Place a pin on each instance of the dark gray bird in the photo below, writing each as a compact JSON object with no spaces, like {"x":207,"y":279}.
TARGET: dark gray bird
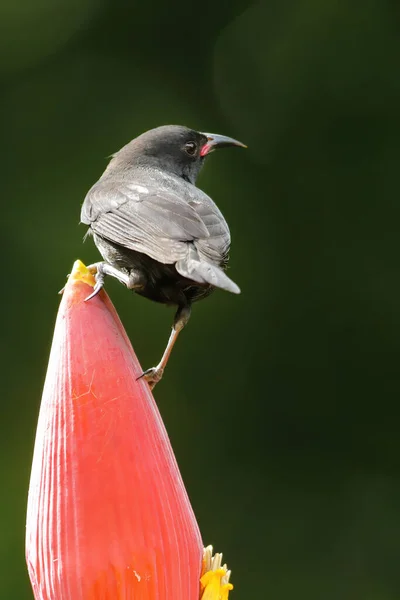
{"x":157,"y":232}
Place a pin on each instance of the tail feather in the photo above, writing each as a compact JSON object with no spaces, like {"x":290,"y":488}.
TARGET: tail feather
{"x":205,"y":272}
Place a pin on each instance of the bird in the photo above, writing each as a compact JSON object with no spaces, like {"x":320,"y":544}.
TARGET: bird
{"x":157,"y":232}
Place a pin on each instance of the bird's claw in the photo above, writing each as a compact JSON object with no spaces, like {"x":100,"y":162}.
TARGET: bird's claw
{"x":99,"y":279}
{"x":152,"y":376}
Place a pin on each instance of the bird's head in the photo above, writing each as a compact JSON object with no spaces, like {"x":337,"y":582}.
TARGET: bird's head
{"x":174,"y":149}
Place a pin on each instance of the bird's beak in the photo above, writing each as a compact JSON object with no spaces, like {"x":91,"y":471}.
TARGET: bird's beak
{"x":214,"y":140}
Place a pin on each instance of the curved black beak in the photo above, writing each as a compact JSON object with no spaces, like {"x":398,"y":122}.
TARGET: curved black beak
{"x":218,"y":141}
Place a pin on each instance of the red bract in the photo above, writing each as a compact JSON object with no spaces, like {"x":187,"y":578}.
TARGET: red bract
{"x":108,"y":515}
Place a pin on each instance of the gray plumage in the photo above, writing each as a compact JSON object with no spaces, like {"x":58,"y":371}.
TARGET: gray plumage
{"x":157,"y":231}
{"x":160,"y":213}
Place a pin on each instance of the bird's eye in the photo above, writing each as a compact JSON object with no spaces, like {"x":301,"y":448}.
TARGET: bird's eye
{"x":190,"y":148}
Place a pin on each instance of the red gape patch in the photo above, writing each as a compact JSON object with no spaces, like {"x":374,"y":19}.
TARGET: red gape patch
{"x":205,"y":149}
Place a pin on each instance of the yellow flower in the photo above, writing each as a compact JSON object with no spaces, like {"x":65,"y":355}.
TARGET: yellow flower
{"x":214,"y":581}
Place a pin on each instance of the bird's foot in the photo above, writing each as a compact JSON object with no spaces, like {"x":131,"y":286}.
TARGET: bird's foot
{"x":132,"y":279}
{"x":98,"y":271}
{"x":152,"y":376}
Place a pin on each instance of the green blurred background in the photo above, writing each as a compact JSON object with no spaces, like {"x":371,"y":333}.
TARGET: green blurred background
{"x":282,"y":404}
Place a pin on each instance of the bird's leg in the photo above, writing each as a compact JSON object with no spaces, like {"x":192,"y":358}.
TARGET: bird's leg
{"x":154,"y":374}
{"x":101,"y":269}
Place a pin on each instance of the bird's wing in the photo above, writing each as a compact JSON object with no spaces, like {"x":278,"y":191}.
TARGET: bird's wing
{"x":156,"y":223}
{"x":214,"y":248}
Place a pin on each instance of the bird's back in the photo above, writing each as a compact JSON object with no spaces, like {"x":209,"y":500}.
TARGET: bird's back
{"x":161,"y":224}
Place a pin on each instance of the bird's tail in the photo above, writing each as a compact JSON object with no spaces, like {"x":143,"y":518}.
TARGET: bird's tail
{"x":201,"y":271}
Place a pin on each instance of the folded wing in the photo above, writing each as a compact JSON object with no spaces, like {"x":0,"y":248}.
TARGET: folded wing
{"x":188,"y":232}
{"x":142,"y":219}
